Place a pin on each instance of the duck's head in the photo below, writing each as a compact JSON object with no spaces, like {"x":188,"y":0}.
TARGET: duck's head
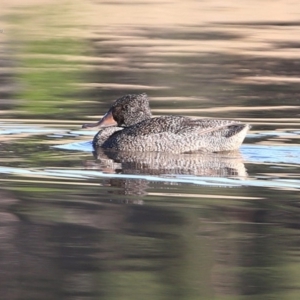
{"x":126,"y":111}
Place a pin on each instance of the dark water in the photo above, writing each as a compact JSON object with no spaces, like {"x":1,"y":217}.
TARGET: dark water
{"x":81,"y":225}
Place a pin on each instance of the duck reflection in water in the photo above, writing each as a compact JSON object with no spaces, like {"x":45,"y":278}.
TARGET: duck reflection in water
{"x":178,"y":167}
{"x":228,"y":164}
{"x":137,"y":131}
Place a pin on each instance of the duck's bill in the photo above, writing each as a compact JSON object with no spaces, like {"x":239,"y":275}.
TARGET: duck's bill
{"x":106,"y":121}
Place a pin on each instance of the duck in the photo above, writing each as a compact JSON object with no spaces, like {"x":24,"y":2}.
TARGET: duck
{"x":134,"y":129}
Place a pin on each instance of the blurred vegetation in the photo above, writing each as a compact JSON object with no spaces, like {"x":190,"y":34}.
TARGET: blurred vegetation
{"x":48,"y":70}
{"x":50,"y":83}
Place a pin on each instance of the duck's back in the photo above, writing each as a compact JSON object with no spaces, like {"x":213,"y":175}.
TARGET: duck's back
{"x":178,"y":134}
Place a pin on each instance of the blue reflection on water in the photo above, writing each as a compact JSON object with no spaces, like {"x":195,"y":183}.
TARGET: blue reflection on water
{"x":80,"y":146}
{"x":251,"y":153}
{"x":271,"y":154}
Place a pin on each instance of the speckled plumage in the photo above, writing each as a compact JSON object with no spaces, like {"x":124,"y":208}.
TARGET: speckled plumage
{"x":103,"y":134}
{"x":175,"y":134}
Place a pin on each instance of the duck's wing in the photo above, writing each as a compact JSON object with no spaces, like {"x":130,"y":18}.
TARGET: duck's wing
{"x":225,"y":128}
{"x":158,"y":125}
{"x":179,"y":125}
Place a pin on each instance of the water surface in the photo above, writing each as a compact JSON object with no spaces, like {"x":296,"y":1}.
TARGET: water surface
{"x":78,"y":224}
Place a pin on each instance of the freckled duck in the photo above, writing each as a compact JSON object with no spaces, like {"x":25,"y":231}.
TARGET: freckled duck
{"x":136,"y":130}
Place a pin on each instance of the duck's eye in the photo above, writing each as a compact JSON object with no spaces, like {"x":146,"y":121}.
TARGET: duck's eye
{"x":125,"y":107}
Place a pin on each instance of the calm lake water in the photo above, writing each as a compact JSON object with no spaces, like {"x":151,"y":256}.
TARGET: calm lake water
{"x":82,"y":225}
